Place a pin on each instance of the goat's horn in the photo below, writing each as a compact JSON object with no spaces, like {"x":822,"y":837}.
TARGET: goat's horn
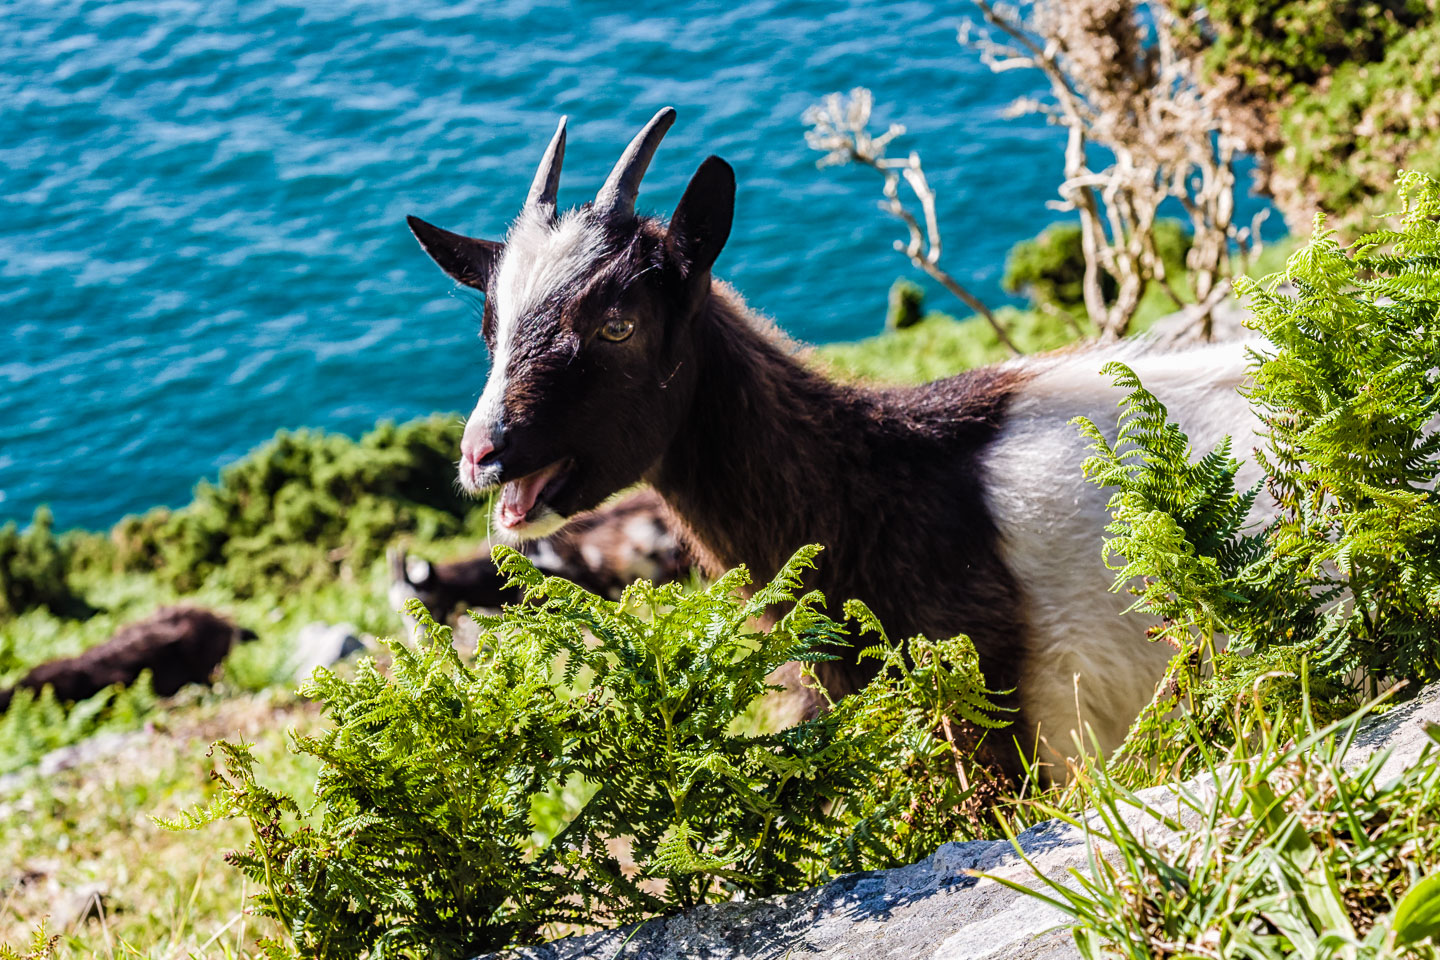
{"x":623,"y":185}
{"x":547,"y":176}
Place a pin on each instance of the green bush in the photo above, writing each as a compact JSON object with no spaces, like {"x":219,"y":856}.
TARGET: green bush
{"x":906,"y":306}
{"x":1343,"y":141}
{"x":464,"y":807}
{"x":1348,"y":573}
{"x":1271,"y":46}
{"x":1332,"y":96}
{"x":305,"y":507}
{"x":1050,"y":269}
{"x":33,"y":569}
{"x":930,"y":702}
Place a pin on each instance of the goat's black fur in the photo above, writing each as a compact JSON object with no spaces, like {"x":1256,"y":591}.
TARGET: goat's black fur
{"x":754,"y":451}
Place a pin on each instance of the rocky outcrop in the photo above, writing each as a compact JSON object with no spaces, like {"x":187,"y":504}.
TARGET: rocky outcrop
{"x":933,"y":910}
{"x":321,"y":645}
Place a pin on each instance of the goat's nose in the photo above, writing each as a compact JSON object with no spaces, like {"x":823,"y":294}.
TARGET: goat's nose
{"x":499,"y":432}
{"x":475,"y":451}
{"x":478,"y":449}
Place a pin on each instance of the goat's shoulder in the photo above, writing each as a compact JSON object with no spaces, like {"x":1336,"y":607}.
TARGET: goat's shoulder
{"x":971,"y":404}
{"x":1072,"y":383}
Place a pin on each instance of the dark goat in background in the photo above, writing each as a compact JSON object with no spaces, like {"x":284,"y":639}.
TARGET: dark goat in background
{"x":603,"y":552}
{"x":178,"y":645}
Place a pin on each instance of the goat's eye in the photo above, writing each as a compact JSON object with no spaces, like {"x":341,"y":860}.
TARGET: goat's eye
{"x":618,"y":329}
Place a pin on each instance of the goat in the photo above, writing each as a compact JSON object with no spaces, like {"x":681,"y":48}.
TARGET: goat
{"x":953,"y":507}
{"x":178,"y":645}
{"x":602,"y":551}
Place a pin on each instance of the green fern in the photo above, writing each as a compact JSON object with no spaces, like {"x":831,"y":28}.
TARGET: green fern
{"x":423,"y":835}
{"x":1348,"y":574}
{"x":41,"y":947}
{"x":932,"y":715}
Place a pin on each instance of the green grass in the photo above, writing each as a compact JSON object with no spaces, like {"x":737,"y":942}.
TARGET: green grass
{"x":276,"y":615}
{"x":166,"y":894}
{"x":162,"y":894}
{"x":939,"y":346}
{"x":1283,"y":850}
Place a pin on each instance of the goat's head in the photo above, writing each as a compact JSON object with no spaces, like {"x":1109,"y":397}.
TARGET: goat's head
{"x":589,"y":322}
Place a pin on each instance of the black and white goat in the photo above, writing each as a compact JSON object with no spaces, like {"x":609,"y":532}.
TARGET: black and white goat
{"x":953,"y":507}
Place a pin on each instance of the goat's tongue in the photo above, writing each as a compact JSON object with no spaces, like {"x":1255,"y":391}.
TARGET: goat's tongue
{"x":518,"y":497}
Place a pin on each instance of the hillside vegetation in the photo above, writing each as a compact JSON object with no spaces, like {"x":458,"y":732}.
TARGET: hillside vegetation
{"x":1332,"y":96}
{"x":597,"y":761}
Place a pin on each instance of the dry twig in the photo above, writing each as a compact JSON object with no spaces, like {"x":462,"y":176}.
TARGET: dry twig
{"x":1118,"y":80}
{"x":839,"y":126}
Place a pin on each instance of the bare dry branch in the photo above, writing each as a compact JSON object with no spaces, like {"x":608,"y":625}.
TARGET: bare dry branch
{"x":1118,"y":80}
{"x":839,"y":127}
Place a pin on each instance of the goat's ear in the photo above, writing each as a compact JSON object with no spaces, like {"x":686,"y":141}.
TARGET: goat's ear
{"x":701,"y":223}
{"x":465,"y":259}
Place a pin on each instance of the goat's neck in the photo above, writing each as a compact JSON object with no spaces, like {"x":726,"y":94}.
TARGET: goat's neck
{"x":764,"y":445}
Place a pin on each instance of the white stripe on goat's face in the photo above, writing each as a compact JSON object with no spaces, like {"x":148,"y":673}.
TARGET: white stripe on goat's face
{"x":544,"y":261}
{"x":570,"y":413}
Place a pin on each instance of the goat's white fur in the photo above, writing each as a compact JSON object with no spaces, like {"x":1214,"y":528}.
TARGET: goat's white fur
{"x":541,"y":257}
{"x":1085,"y":662}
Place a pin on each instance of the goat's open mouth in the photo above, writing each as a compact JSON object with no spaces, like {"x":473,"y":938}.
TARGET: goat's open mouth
{"x":521,"y":498}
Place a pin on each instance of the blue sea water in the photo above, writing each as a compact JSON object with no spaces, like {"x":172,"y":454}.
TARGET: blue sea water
{"x":202,"y":202}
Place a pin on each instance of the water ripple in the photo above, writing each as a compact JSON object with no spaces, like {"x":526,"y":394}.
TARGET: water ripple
{"x":202,"y":203}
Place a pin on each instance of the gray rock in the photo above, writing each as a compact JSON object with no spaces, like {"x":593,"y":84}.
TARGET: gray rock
{"x":1184,"y":328}
{"x":320,"y":645}
{"x":934,"y":909}
{"x":1227,"y":322}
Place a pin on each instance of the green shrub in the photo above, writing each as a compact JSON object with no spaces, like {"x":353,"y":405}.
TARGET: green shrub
{"x":1050,"y":269}
{"x":1271,"y":46}
{"x":33,"y":569}
{"x":1332,"y":96}
{"x":305,"y":507}
{"x":1348,"y":573}
{"x":463,"y":807}
{"x":906,"y":306}
{"x":1343,"y":141}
